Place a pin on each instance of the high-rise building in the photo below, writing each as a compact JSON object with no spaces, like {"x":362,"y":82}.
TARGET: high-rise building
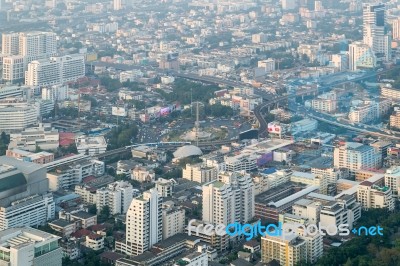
{"x":117,"y":4}
{"x":199,"y":173}
{"x":37,"y":45}
{"x":29,"y":246}
{"x":14,"y":68}
{"x":117,"y":196}
{"x":143,"y":224}
{"x":10,"y":43}
{"x":373,"y":196}
{"x":356,"y":156}
{"x":361,"y":56}
{"x":231,"y":199}
{"x":396,"y":29}
{"x":218,"y":203}
{"x":374,"y":30}
{"x":55,"y":71}
{"x":173,"y":221}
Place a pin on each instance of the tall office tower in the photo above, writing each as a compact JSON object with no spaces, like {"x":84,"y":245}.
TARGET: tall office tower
{"x":117,"y":4}
{"x":356,"y":156}
{"x":143,"y":224}
{"x":374,"y":31}
{"x":55,"y":70}
{"x":10,"y":43}
{"x":396,"y":29}
{"x":36,"y":45}
{"x":361,"y":56}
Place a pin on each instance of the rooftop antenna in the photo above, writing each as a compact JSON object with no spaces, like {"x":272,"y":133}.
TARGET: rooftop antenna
{"x":197,"y":123}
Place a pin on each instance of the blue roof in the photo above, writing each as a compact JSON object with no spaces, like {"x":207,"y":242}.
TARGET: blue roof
{"x":269,"y":171}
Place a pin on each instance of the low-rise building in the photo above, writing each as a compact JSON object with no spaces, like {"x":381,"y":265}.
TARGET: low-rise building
{"x":91,"y":145}
{"x":95,"y":242}
{"x":143,"y":174}
{"x":42,"y":157}
{"x":29,"y":246}
{"x":43,"y":136}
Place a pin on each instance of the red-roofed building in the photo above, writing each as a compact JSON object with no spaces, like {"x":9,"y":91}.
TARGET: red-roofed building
{"x":66,"y":139}
{"x":81,"y":233}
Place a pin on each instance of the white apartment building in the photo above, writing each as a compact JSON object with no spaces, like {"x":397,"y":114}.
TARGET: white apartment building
{"x":373,"y":196}
{"x":35,"y":45}
{"x":332,"y":174}
{"x":287,"y":250}
{"x":240,"y":162}
{"x":388,"y":92}
{"x":55,"y":71}
{"x":143,"y":224}
{"x":396,"y":29}
{"x":14,"y":68}
{"x":392,"y":180}
{"x":333,"y":213}
{"x":91,"y":145}
{"x":29,"y":246}
{"x":364,"y":113}
{"x":322,"y":105}
{"x":63,"y":174}
{"x":16,"y":116}
{"x":173,"y":221}
{"x":268,"y":65}
{"x":243,"y":188}
{"x":355,"y":156}
{"x":307,"y":209}
{"x":10,"y":43}
{"x":264,"y":182}
{"x":199,"y":173}
{"x":117,"y":196}
{"x":143,"y":174}
{"x":55,"y":93}
{"x":44,"y":136}
{"x":361,"y":56}
{"x":230,"y":199}
{"x":218,"y":203}
{"x":314,"y":245}
{"x":165,"y":187}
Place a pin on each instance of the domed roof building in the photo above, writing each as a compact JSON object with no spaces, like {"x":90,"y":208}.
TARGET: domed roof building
{"x":187,"y":151}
